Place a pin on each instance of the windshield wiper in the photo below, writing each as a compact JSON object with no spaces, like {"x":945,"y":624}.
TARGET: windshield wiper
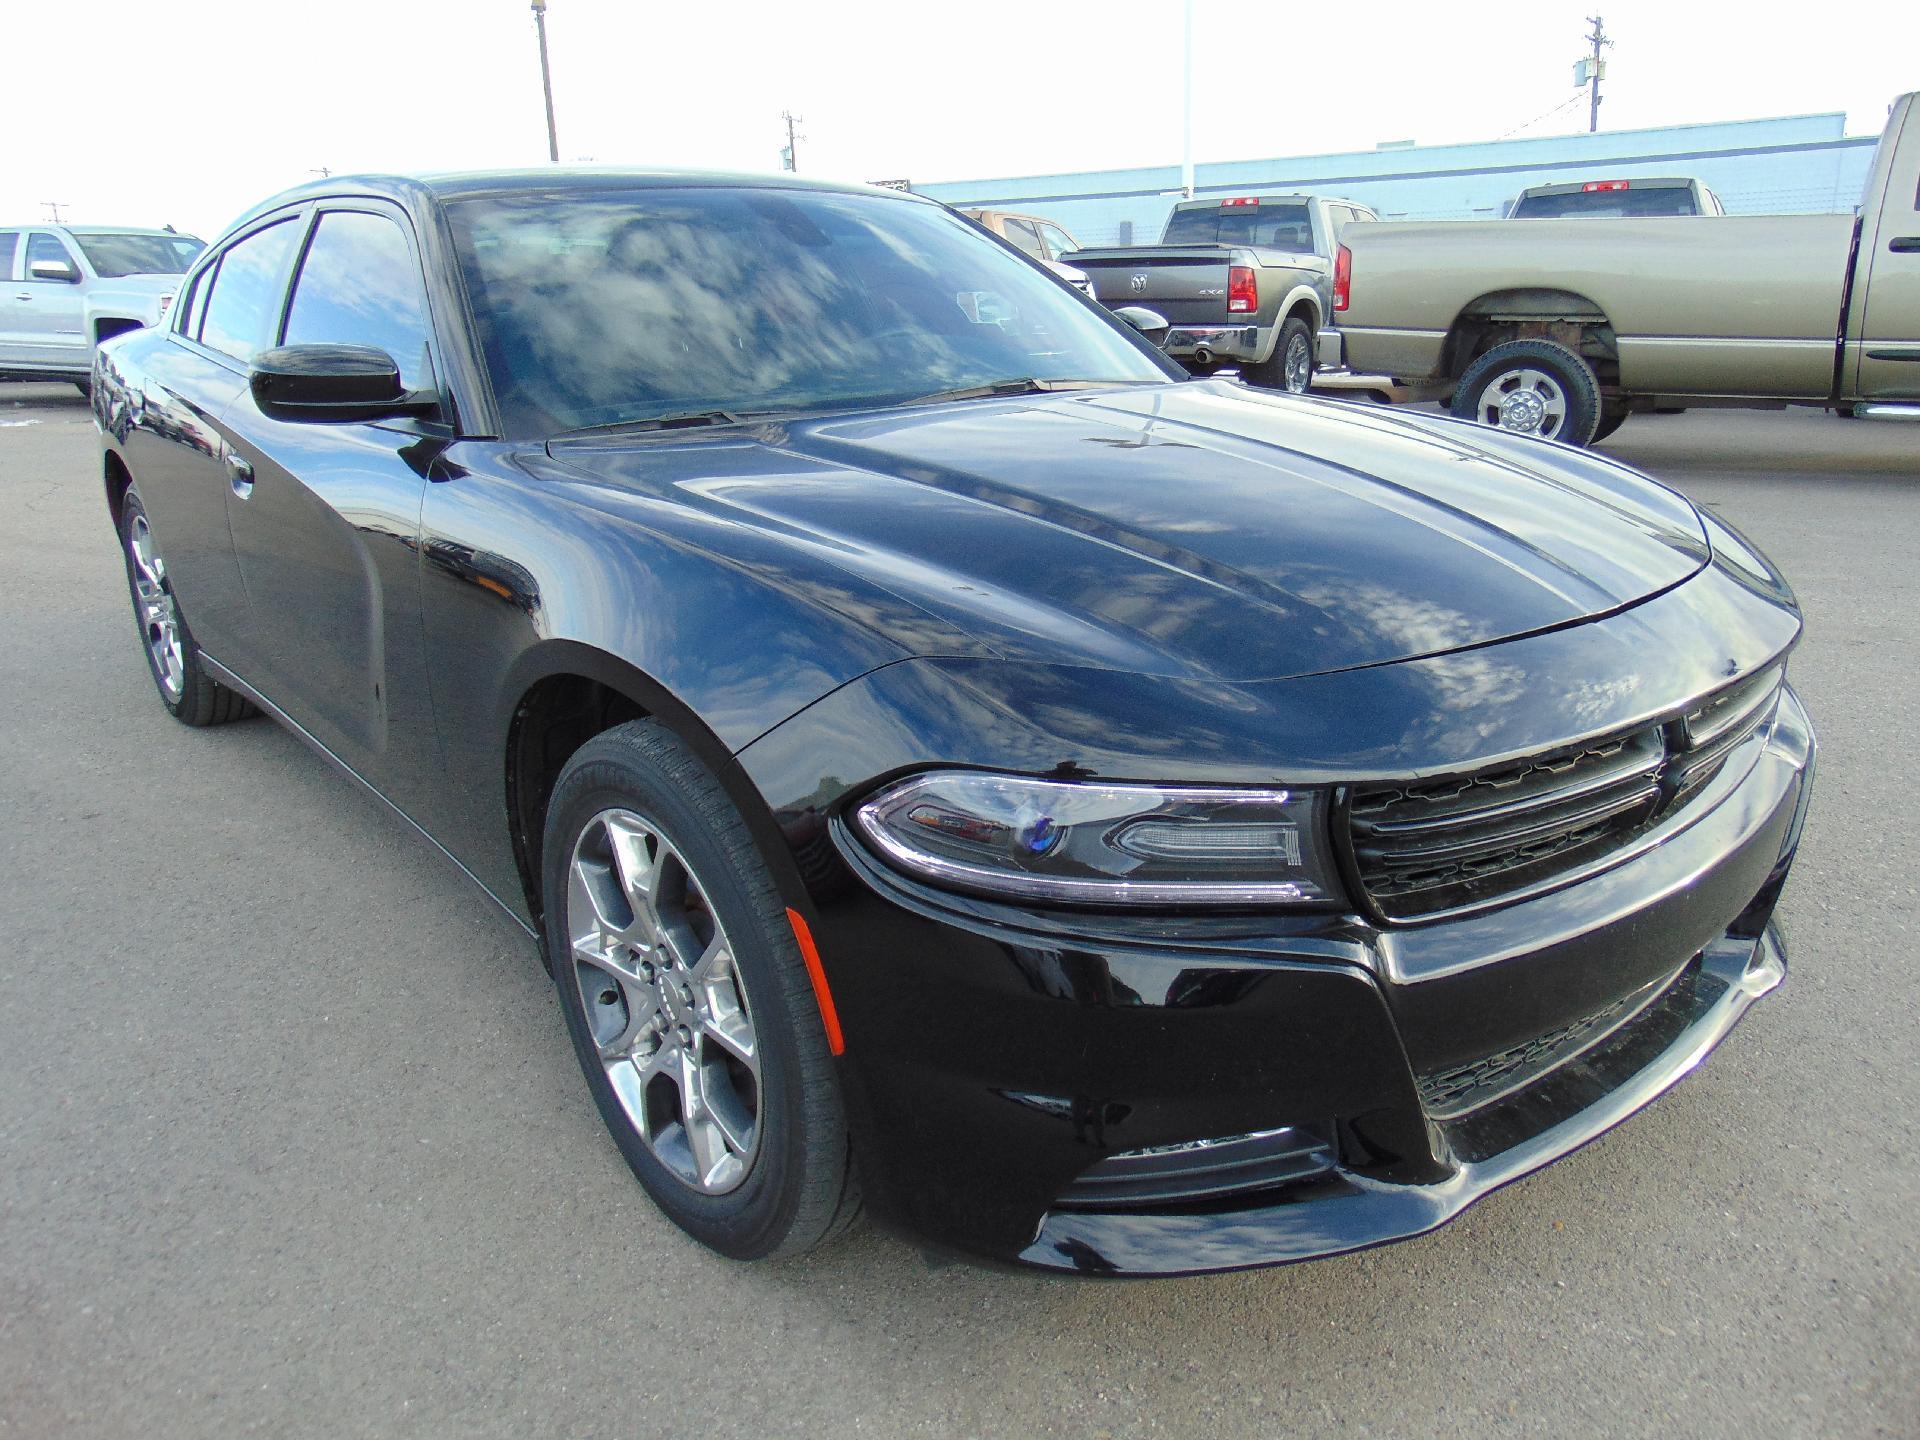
{"x":678,"y":420}
{"x":1018,"y":385}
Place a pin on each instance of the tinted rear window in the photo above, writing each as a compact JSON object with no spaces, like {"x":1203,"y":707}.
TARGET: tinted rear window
{"x":1275,"y":227}
{"x":1608,"y":204}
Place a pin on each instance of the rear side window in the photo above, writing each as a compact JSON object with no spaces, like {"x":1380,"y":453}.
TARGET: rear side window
{"x":245,"y":301}
{"x":1057,"y":240}
{"x":9,"y":243}
{"x":194,"y":307}
{"x":359,"y":285}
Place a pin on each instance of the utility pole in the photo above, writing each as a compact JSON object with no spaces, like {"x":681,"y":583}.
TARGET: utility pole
{"x":1596,"y":72}
{"x":54,"y":206}
{"x":546,"y":79}
{"x":1186,"y":122}
{"x":790,"y":157}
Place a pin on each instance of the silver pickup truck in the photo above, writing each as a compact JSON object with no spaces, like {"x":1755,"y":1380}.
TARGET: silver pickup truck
{"x":1564,"y":328}
{"x":64,"y":289}
{"x":1246,"y":281}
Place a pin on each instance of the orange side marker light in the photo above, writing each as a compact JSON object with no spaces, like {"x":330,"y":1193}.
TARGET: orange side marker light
{"x":829,"y":1017}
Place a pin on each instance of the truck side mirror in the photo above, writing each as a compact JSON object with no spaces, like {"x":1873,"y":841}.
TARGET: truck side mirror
{"x":59,"y":270}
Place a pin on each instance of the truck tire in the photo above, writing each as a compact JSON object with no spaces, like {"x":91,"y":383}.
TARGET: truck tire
{"x":1612,"y":417}
{"x":1531,"y":387}
{"x":1290,"y":367}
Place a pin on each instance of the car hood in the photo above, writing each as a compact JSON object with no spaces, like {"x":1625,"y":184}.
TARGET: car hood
{"x":1200,"y":529}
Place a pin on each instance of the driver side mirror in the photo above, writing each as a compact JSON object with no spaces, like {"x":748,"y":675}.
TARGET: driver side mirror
{"x":332,"y":383}
{"x":61,"y":270}
{"x":1151,"y":324}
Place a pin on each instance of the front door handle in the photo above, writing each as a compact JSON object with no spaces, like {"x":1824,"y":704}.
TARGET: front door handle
{"x":240,"y":473}
{"x":1905,"y":244}
{"x":23,"y":295}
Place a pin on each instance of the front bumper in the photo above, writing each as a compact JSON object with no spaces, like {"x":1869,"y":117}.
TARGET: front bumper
{"x":1027,"y":1049}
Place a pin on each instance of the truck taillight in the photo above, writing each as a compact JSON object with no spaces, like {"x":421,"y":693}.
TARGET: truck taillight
{"x":1342,"y":277}
{"x":1243,"y":292}
{"x":1242,"y":200}
{"x":1593,"y":185}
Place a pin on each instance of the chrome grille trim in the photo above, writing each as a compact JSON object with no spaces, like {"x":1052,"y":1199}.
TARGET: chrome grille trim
{"x":1425,"y":848}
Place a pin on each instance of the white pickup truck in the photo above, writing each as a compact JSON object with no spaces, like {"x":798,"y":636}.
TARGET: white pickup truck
{"x":1564,"y":328}
{"x":64,"y":289}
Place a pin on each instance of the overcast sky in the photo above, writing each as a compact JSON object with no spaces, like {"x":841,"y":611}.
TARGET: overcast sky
{"x":188,"y":111}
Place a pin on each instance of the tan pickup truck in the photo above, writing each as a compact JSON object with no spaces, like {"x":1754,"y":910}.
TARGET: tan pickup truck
{"x":1563,"y":328}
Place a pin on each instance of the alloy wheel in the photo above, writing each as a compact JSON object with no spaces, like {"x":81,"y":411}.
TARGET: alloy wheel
{"x":664,"y":1000}
{"x":1527,"y":401}
{"x":1299,"y":365}
{"x":154,"y":604}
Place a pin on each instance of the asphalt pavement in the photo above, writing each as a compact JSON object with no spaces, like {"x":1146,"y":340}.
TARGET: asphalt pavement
{"x":292,"y":1142}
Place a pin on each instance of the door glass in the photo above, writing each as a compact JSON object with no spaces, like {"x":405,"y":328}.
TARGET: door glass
{"x":245,"y":301}
{"x":1023,"y":236}
{"x":360,"y":286}
{"x":47,"y":247}
{"x":9,"y":243}
{"x":1058,"y":241}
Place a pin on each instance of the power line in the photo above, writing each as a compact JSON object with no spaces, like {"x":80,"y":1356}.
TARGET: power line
{"x":1568,"y":103}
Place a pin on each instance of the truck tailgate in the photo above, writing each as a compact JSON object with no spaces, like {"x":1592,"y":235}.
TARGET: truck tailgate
{"x":1185,"y":283}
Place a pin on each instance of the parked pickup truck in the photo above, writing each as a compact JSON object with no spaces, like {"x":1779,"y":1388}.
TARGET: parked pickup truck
{"x":1036,"y":237}
{"x":64,"y":289}
{"x":1246,"y":281}
{"x":1563,"y":328}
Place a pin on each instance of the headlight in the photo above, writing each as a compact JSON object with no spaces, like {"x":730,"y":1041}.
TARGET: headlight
{"x":1104,"y":844}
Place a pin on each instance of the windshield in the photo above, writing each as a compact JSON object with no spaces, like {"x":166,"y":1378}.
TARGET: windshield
{"x":1607,"y":204}
{"x":599,"y":306}
{"x":115,"y":255}
{"x":1284,"y":226}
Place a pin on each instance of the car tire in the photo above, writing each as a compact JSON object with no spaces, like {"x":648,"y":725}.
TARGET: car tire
{"x":191,"y":696}
{"x":1283,"y":369}
{"x":1564,"y":391}
{"x":1612,"y":417}
{"x":711,"y":1067}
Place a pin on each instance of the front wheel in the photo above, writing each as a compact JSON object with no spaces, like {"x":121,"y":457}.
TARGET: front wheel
{"x":688,"y":1002}
{"x":1290,"y":367}
{"x":1531,"y":387}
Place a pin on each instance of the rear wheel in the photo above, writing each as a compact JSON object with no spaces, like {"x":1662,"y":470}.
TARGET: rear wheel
{"x":191,"y":695}
{"x":1531,"y":387}
{"x":688,"y":1002}
{"x":1290,"y":367}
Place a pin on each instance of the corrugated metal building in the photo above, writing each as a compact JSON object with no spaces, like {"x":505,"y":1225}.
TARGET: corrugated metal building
{"x":1796,"y":164}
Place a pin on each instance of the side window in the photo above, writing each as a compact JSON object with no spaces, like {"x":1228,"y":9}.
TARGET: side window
{"x":244,"y":303}
{"x":194,"y":308}
{"x":359,"y":286}
{"x":41,"y":246}
{"x":1022,"y":236}
{"x":9,"y":245}
{"x":1338,"y":217}
{"x":1058,"y":241}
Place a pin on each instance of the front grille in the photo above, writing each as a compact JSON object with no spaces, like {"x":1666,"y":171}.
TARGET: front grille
{"x":1450,"y":1093}
{"x":1437,"y":846}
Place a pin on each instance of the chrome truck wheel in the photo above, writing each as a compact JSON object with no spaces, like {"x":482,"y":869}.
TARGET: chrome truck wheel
{"x":1531,"y":387}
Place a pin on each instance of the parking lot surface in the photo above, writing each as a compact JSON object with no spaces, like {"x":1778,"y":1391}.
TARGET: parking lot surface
{"x":292,"y":1143}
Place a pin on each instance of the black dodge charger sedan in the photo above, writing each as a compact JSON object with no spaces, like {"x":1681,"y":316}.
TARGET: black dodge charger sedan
{"x":948,"y":760}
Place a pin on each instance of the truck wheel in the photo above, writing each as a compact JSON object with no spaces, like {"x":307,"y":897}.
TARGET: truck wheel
{"x":1531,"y":387}
{"x":1612,"y":417}
{"x":1290,"y":367}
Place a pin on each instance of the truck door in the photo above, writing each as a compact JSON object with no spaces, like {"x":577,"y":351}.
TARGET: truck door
{"x":1889,"y":267}
{"x":47,"y":326}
